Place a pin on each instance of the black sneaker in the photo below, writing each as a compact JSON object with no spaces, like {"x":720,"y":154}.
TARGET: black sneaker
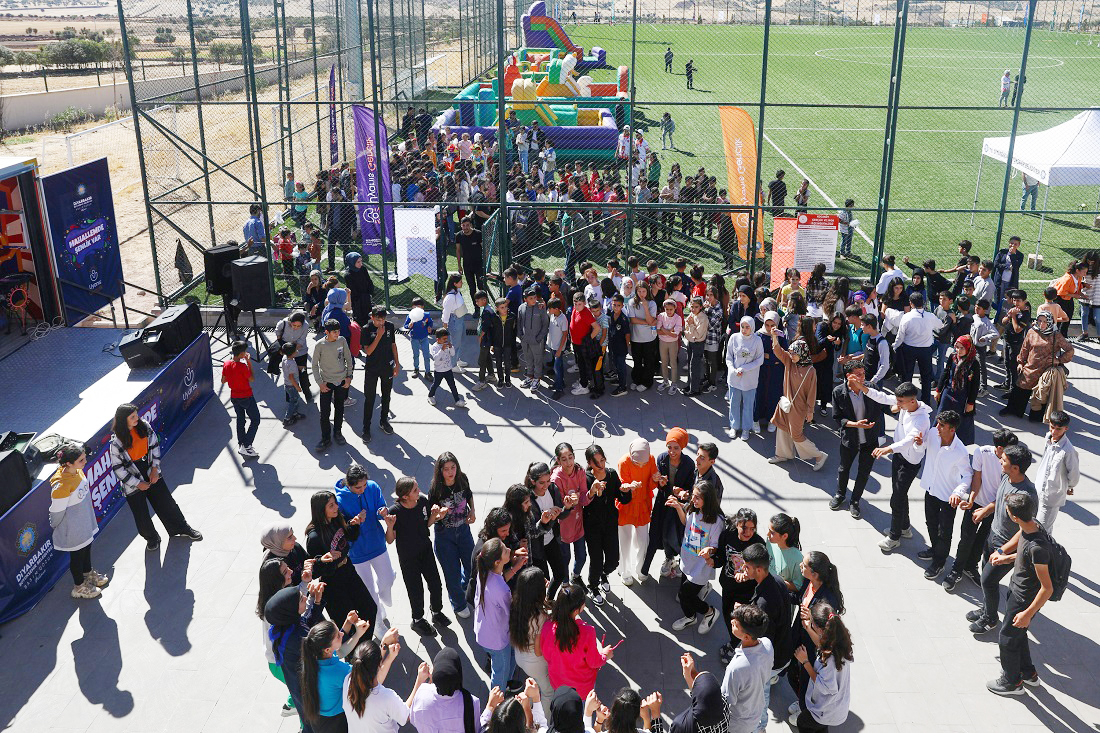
{"x":855,"y":510}
{"x":836,"y":503}
{"x":982,"y":625}
{"x":974,"y":615}
{"x":322,"y":446}
{"x":556,"y":394}
{"x":974,"y":575}
{"x":951,"y":581}
{"x":153,"y":545}
{"x":1001,"y":686}
{"x":619,"y":391}
{"x":933,"y":572}
{"x":386,"y":427}
{"x":339,"y":438}
{"x":366,"y":434}
{"x":423,"y":628}
{"x":192,"y":534}
{"x":440,"y":620}
{"x":925,"y":554}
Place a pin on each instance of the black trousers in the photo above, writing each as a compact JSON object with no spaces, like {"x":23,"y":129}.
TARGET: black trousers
{"x":80,"y":562}
{"x":345,"y":591}
{"x":848,"y":456}
{"x":1019,"y":400}
{"x":1012,"y":367}
{"x":474,"y":273}
{"x":991,"y":582}
{"x":940,"y":518}
{"x":1016,"y":661}
{"x":921,"y":358}
{"x":552,"y":563}
{"x":603,"y":552}
{"x":163,"y":504}
{"x":690,"y":602}
{"x":332,"y":401}
{"x":331,"y":724}
{"x":370,"y":390}
{"x":303,"y":375}
{"x":902,"y":473}
{"x":646,"y":357}
{"x":666,"y":531}
{"x":417,"y":566}
{"x":1067,"y":306}
{"x":971,"y":542}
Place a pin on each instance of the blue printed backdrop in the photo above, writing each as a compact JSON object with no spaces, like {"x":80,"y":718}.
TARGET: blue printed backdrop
{"x":81,"y":216}
{"x":372,"y":179}
{"x":29,"y":566}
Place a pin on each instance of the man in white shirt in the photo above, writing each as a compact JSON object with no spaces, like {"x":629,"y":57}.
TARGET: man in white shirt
{"x":985,"y":461}
{"x":946,"y":481}
{"x":906,"y":453}
{"x":889,"y":272}
{"x":915,"y":344}
{"x":748,"y":672}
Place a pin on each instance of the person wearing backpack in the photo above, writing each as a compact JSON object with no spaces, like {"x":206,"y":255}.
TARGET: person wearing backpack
{"x":1030,"y":587}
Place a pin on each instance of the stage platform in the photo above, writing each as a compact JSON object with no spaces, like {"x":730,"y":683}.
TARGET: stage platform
{"x":69,"y":383}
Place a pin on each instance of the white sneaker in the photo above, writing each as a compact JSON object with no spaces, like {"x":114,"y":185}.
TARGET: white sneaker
{"x":682,"y":623}
{"x":641,"y":578}
{"x":708,"y":620}
{"x":754,"y":431}
{"x":431,"y":400}
{"x":85,"y":590}
{"x":605,"y":587}
{"x":628,"y":580}
{"x":350,"y":401}
{"x":242,"y":450}
{"x":597,"y":598}
{"x":675,"y":572}
{"x":460,"y":364}
{"x":771,"y":428}
{"x":580,"y":391}
{"x":461,"y":402}
{"x":573,"y":369}
{"x":776,"y":459}
{"x":479,"y":386}
{"x":633,"y":388}
{"x":464,"y":613}
{"x":820,"y":462}
{"x":889,"y":545}
{"x":709,"y":388}
{"x":641,"y":388}
{"x":794,"y":709}
{"x":661,"y":387}
{"x":666,"y":568}
{"x":907,"y":533}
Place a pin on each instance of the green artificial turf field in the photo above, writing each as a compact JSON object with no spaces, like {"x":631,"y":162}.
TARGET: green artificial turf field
{"x":840,"y":150}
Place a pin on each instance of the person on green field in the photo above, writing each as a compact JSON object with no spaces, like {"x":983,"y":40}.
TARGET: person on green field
{"x":668,"y":60}
{"x":667,"y":128}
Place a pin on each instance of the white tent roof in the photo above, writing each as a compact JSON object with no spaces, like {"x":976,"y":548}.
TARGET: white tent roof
{"x":1065,"y":155}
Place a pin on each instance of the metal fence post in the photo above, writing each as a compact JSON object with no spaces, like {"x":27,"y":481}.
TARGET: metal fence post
{"x":757,"y":218}
{"x":889,"y":142}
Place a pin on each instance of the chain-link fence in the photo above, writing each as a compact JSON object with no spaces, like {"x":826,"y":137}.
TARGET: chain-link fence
{"x":899,"y":116}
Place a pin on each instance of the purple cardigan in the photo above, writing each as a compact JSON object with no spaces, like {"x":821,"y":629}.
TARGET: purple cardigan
{"x":491,"y":613}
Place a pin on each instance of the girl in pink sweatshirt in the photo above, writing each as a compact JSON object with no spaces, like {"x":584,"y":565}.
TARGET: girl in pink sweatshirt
{"x":573,"y":653}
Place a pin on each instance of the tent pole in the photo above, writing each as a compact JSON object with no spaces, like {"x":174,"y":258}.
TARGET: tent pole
{"x":981,"y":162}
{"x":1042,"y":219}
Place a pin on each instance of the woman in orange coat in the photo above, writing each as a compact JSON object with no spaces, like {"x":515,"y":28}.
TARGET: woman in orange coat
{"x":1069,"y":289}
{"x":638,"y":472}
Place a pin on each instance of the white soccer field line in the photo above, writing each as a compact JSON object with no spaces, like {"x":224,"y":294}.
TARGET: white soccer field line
{"x":817,"y":188}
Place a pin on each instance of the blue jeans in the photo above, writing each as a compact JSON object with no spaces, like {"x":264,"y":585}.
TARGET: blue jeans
{"x":1090,"y":313}
{"x":293,"y":402}
{"x":523,"y":157}
{"x":580,"y":554}
{"x":742,"y":403}
{"x":559,"y":372}
{"x":420,"y":346}
{"x":246,"y":407}
{"x":504,"y":664}
{"x":454,"y":546}
{"x":1033,"y":192}
{"x":941,"y":360}
{"x":620,"y":369}
{"x":457,"y":328}
{"x":846,"y":243}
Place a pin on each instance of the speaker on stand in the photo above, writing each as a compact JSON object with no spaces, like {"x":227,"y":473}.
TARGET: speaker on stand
{"x":251,"y":280}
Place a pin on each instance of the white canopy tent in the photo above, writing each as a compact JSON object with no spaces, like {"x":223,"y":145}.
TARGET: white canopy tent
{"x":1065,"y":155}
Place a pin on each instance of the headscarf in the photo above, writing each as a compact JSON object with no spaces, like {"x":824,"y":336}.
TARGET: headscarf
{"x":1047,"y":329}
{"x":275,"y":536}
{"x":800,"y":350}
{"x":351,"y":258}
{"x":964,"y":363}
{"x":679,"y":435}
{"x":707,"y":706}
{"x":769,"y":315}
{"x":768,"y":305}
{"x":628,"y":287}
{"x":447,"y":672}
{"x":336,"y":298}
{"x":747,"y":321}
{"x":639,"y":451}
{"x":566,"y":712}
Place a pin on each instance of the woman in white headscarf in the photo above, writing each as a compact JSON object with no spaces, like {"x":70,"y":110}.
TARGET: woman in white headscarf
{"x":796,"y":408}
{"x":744,"y":357}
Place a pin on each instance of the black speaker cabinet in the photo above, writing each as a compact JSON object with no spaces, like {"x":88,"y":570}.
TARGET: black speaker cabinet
{"x":216,"y":261}
{"x":178,"y":326}
{"x":140,"y":349}
{"x":15,"y":479}
{"x":251,"y":279}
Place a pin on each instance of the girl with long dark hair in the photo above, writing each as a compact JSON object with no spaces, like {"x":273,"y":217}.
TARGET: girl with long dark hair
{"x":328,"y":539}
{"x":543,"y":536}
{"x":454,"y":316}
{"x":827,"y":697}
{"x":817,"y":287}
{"x":573,"y":654}
{"x":73,"y":521}
{"x":677,"y":476}
{"x":601,"y":521}
{"x":642,"y":311}
{"x":821,"y":584}
{"x":528,"y":613}
{"x":739,"y":532}
{"x":568,"y":476}
{"x":770,"y":387}
{"x":785,"y":550}
{"x":291,"y":612}
{"x":703,"y":523}
{"x":323,"y":672}
{"x":135,"y":460}
{"x":370,"y":706}
{"x":454,"y":542}
{"x":491,"y":608}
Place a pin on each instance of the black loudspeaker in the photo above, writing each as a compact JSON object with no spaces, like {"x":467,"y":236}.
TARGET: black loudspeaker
{"x":216,"y":261}
{"x":251,"y":279}
{"x":140,"y":349}
{"x":15,"y":479}
{"x":177,"y":326}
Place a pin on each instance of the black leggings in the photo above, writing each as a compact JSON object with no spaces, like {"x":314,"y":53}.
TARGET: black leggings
{"x":603,"y":552}
{"x":553,"y":565}
{"x":80,"y":562}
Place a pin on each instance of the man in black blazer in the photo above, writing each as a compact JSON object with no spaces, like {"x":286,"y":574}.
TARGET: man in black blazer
{"x":861,"y":426}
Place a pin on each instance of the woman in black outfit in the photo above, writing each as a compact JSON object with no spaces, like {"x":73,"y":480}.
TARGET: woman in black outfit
{"x":958,"y":387}
{"x":328,"y":539}
{"x":821,"y":584}
{"x":601,"y":521}
{"x":666,"y":531}
{"x":361,"y":287}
